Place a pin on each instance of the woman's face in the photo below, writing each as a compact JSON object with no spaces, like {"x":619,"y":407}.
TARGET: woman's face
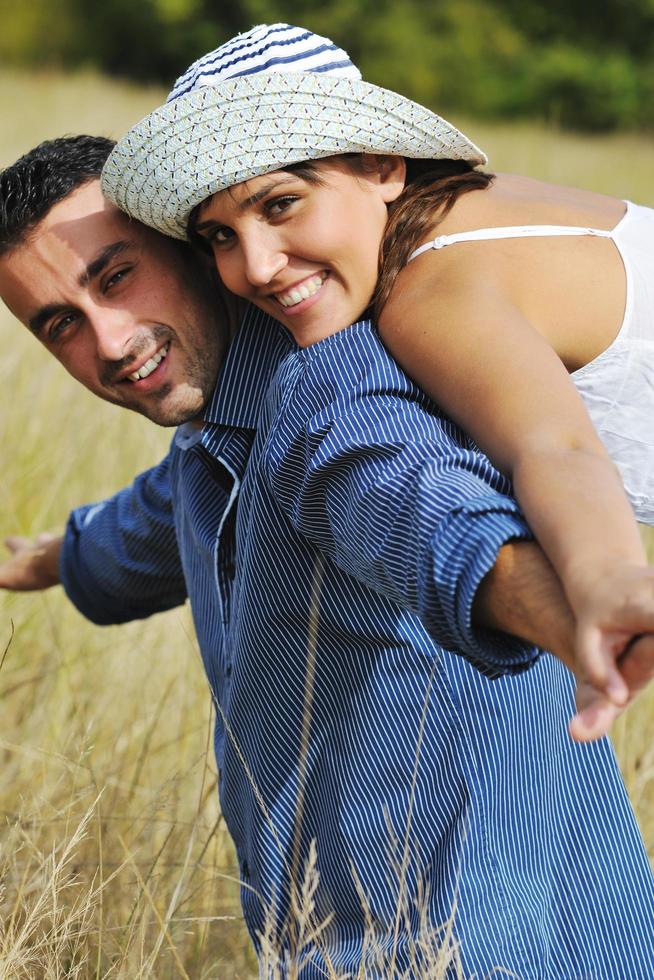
{"x":305,"y":252}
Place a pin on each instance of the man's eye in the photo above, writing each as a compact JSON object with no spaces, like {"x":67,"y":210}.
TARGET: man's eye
{"x":60,"y":325}
{"x":115,"y":277}
{"x":278,"y":205}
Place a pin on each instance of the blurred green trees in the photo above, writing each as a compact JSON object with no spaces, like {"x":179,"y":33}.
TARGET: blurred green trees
{"x":589,"y":66}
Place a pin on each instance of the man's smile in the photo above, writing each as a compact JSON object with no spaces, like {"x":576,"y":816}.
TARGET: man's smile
{"x":150,"y":365}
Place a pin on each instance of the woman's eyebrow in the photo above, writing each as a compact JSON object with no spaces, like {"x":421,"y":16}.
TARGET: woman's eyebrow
{"x":250,"y":201}
{"x":253,"y":199}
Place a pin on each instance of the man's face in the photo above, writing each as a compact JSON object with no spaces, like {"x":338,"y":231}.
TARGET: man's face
{"x":127,"y":311}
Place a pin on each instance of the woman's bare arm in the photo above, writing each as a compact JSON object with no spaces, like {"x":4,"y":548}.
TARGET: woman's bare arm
{"x":473,"y":351}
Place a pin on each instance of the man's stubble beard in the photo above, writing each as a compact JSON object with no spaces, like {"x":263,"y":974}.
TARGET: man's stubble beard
{"x":186,"y":400}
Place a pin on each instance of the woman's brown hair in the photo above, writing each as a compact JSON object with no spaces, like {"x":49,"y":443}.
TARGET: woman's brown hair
{"x":432,"y":188}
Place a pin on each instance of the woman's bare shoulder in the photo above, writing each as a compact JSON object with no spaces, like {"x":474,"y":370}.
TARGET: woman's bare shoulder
{"x":492,"y":282}
{"x":512,"y":199}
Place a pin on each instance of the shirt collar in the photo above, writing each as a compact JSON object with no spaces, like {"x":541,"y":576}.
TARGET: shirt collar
{"x":252,"y":358}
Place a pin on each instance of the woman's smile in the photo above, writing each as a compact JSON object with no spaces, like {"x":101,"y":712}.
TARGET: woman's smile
{"x":294,"y":298}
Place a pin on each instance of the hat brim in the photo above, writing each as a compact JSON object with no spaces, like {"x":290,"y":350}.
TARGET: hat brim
{"x":217,"y":136}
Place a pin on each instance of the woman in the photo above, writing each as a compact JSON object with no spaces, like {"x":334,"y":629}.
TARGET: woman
{"x":295,"y":166}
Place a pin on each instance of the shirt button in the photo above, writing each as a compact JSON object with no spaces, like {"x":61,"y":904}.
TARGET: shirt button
{"x":228,"y":670}
{"x":245,"y":870}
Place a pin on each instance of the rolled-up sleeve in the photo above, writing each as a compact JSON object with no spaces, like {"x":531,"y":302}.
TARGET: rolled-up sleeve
{"x":120,"y":559}
{"x":396,"y":498}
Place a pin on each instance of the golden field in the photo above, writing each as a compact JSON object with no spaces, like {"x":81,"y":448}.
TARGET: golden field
{"x":114,"y":860}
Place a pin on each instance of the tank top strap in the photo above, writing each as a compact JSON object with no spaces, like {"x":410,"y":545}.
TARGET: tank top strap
{"x":516,"y":231}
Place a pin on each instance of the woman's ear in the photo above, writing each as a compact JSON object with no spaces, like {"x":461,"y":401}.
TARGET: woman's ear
{"x":392,"y":176}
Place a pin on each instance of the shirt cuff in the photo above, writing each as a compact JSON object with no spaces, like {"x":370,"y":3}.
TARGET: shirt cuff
{"x":101,"y":581}
{"x":71,"y":572}
{"x":465,"y":550}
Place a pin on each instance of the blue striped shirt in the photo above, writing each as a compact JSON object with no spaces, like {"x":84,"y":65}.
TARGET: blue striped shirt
{"x":331,"y":528}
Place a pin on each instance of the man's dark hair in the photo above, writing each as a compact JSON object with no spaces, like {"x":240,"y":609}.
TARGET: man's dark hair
{"x":31,"y":186}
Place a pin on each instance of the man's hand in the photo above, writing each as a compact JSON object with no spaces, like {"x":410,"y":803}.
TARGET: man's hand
{"x":522,"y":595}
{"x":33,"y":564}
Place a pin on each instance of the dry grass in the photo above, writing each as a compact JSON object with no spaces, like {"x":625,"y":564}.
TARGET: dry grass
{"x":42,"y":105}
{"x":114,"y":861}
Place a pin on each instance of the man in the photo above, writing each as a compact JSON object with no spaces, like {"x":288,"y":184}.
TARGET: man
{"x":344,"y":551}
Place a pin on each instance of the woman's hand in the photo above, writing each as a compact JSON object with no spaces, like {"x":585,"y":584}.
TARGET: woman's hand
{"x":614,"y":646}
{"x":595,"y":712}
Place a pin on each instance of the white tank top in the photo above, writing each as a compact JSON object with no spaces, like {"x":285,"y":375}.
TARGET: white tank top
{"x":618,"y":385}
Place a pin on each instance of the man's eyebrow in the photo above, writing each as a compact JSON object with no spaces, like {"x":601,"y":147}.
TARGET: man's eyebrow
{"x":95,"y":267}
{"x":249,"y":202}
{"x":38,"y":321}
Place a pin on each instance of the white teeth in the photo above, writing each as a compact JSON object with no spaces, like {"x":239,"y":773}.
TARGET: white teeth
{"x":306,"y":289}
{"x":149,"y":365}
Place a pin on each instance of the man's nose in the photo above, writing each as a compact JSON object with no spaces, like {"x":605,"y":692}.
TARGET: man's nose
{"x":114,"y":331}
{"x":265,"y":257}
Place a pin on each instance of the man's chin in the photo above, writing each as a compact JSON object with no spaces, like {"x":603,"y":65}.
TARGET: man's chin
{"x":171,"y":419}
{"x":171,"y":408}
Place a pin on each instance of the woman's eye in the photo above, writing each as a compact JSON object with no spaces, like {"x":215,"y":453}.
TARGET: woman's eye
{"x":221,"y":235}
{"x":279,"y":205}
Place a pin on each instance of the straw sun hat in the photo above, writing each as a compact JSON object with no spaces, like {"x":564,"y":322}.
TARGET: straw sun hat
{"x":268,"y":98}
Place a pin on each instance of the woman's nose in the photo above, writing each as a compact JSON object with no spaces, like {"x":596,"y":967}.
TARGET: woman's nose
{"x":265,"y":258}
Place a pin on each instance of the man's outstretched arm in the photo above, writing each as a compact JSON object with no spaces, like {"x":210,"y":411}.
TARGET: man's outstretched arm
{"x":522,"y":595}
{"x":118,"y":560}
